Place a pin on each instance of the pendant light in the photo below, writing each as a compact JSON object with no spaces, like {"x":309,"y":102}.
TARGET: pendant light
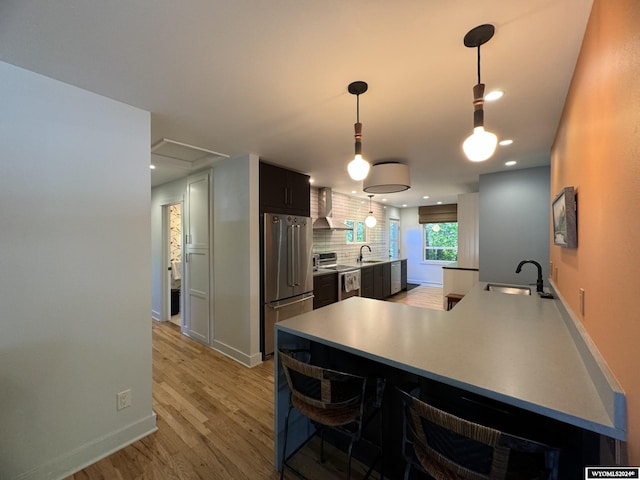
{"x":370,"y":221}
{"x":358,"y":168}
{"x":481,"y":144}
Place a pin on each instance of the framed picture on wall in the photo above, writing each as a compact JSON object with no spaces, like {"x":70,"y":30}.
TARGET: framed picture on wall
{"x":564,"y":213}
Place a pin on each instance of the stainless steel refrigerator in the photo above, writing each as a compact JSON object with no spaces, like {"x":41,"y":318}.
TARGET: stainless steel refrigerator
{"x":288,"y":274}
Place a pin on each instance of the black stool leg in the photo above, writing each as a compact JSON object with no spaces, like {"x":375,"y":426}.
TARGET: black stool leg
{"x":284,"y":446}
{"x":350,"y":451}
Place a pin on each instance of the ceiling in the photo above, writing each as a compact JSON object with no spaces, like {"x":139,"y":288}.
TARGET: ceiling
{"x":270,"y":78}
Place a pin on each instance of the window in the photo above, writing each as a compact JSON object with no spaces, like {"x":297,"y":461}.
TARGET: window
{"x":441,"y":241}
{"x":357,"y":234}
{"x":393,"y":238}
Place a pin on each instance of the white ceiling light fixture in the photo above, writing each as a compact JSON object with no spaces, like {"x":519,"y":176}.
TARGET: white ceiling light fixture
{"x":370,"y":221}
{"x":387,"y":177}
{"x":505,"y":143}
{"x":358,"y":168}
{"x":479,"y":146}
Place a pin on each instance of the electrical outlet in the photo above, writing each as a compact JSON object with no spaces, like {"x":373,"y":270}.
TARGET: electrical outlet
{"x":581,"y":294}
{"x":124,"y":399}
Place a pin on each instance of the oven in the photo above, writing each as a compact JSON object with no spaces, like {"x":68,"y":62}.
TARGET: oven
{"x":348,"y":283}
{"x":348,"y":275}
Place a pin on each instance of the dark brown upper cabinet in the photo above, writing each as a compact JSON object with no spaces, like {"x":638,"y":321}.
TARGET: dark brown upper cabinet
{"x":284,"y":191}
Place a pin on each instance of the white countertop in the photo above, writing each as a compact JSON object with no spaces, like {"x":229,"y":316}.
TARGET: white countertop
{"x":513,"y":348}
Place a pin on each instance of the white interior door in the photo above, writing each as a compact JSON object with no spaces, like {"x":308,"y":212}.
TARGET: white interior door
{"x":197,"y":288}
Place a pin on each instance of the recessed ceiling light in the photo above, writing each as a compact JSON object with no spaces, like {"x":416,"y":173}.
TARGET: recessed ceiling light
{"x":152,"y":167}
{"x":311,"y":180}
{"x":510,"y":163}
{"x":504,"y":143}
{"x":493,"y":95}
{"x":439,"y":203}
{"x":425,"y":197}
{"x":353,"y":191}
{"x":384,"y":199}
{"x":404,"y":204}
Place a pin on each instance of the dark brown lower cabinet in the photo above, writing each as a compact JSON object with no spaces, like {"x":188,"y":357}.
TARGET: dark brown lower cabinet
{"x":375,"y":282}
{"x":381,"y":281}
{"x":366,"y":282}
{"x":403,"y":274}
{"x":325,"y":289}
{"x":386,"y":279}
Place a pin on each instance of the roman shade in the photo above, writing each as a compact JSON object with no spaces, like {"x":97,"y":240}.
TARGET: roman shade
{"x":438,"y":213}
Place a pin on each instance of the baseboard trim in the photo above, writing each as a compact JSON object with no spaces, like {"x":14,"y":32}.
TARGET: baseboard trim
{"x":155,"y":315}
{"x":88,"y":454}
{"x":237,"y":355}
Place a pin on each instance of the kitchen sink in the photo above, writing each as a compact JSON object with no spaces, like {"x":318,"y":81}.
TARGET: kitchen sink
{"x":510,"y":289}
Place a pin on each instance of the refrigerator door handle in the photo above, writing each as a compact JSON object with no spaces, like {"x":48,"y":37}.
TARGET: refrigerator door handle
{"x":296,"y":256}
{"x":290,"y":257}
{"x":284,"y":305}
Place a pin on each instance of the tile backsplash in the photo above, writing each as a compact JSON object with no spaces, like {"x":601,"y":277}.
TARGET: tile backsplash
{"x":347,"y":207}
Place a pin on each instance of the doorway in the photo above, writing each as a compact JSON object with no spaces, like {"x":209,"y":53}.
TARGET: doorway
{"x":394,"y":238}
{"x":173,"y":239}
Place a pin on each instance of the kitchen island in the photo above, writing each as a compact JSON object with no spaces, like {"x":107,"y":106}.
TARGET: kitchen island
{"x":517,"y":349}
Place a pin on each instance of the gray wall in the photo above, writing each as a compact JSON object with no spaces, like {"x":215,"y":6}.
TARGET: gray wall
{"x":514,"y":224}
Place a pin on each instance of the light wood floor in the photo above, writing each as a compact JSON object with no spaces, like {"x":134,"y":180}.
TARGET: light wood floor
{"x":215,"y":417}
{"x":421,"y":296}
{"x":215,"y":421}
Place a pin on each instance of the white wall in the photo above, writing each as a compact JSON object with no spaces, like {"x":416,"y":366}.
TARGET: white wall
{"x":468,"y":228}
{"x":236,"y":255}
{"x":166,"y":194}
{"x":236,"y":259}
{"x":411,"y":242}
{"x":74,"y":289}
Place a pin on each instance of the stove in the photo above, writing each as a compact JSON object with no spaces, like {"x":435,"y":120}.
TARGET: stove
{"x":348,"y":275}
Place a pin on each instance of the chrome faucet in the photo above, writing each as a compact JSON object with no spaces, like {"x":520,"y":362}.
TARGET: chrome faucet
{"x":360,"y":257}
{"x":539,"y":282}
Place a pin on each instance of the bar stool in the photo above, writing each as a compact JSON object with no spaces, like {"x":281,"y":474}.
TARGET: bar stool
{"x":452,"y":299}
{"x":448,"y":447}
{"x":330,"y":399}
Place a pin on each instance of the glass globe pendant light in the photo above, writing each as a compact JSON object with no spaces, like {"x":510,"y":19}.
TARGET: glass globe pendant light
{"x":358,"y":168}
{"x":370,"y":221}
{"x":480,"y":145}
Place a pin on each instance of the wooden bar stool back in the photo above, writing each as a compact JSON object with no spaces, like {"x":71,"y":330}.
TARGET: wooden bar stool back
{"x":329,"y":398}
{"x":448,"y":447}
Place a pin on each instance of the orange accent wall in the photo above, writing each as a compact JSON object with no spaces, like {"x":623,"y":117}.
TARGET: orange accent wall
{"x":597,"y":150}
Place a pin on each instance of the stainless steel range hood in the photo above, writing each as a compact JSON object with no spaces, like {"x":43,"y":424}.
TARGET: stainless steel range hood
{"x":325,"y":221}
